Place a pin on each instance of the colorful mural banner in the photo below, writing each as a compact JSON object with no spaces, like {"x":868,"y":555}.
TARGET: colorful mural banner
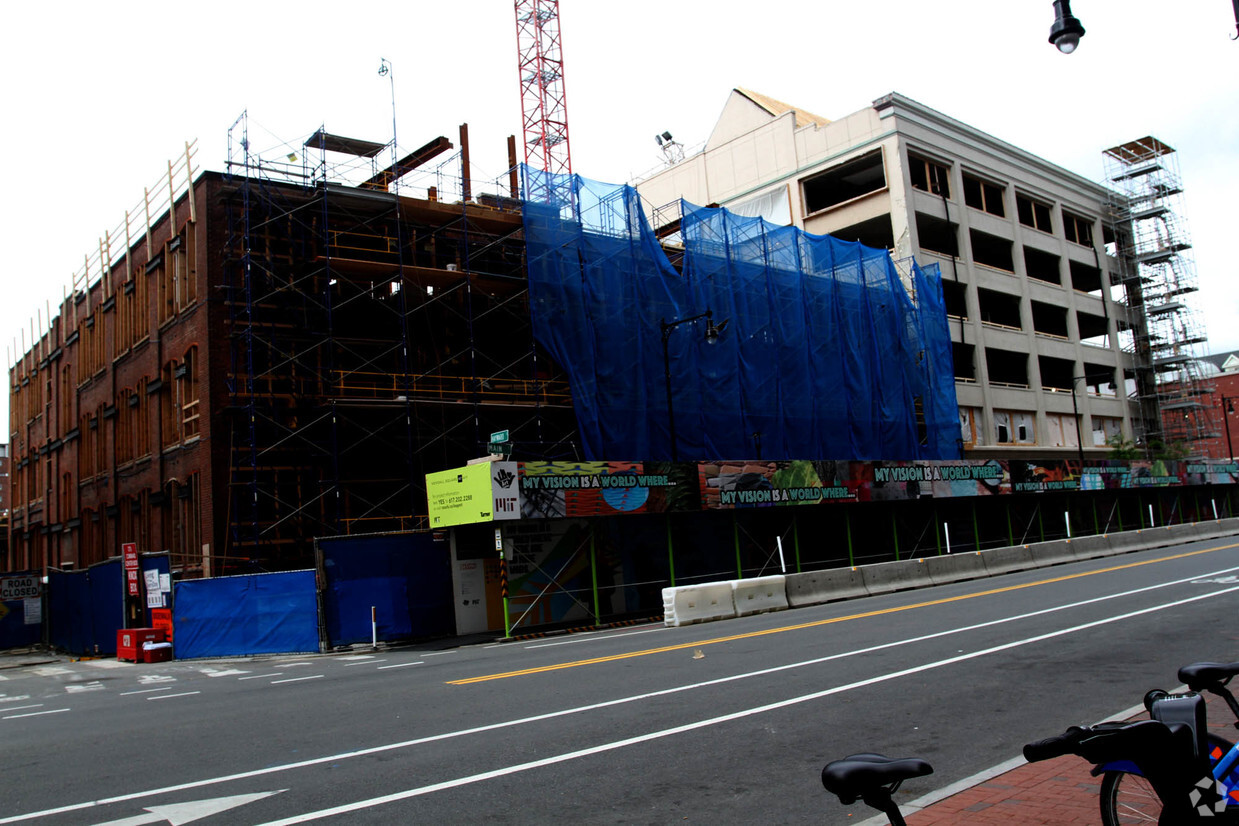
{"x":565,"y":490}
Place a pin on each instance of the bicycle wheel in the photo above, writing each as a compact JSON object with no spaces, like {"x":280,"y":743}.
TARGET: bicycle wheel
{"x":1128,"y":799}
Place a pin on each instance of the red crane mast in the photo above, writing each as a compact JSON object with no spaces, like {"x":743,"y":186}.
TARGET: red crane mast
{"x":544,"y":106}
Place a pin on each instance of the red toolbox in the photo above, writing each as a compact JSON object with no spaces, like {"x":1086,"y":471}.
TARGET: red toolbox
{"x":129,"y":642}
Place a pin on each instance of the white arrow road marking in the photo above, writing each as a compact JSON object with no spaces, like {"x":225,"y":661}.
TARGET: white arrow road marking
{"x":180,"y":813}
{"x":77,"y":688}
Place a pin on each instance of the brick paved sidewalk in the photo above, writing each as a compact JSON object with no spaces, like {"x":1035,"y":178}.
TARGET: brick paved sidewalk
{"x":1058,"y":792}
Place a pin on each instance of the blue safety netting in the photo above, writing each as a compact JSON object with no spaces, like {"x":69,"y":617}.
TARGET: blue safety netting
{"x":238,"y":616}
{"x":825,"y":354}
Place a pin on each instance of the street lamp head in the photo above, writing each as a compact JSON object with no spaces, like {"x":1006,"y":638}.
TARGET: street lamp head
{"x":715,"y":331}
{"x":1066,"y":32}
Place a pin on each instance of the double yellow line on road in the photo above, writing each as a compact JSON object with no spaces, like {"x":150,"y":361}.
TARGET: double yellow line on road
{"x":750,"y":635}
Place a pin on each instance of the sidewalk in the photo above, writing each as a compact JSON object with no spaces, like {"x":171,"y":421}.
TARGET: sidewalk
{"x":1058,"y":792}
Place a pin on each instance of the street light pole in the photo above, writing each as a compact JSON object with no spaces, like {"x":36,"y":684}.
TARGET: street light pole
{"x":1076,"y":411}
{"x":713,"y":332}
{"x":1228,"y":407}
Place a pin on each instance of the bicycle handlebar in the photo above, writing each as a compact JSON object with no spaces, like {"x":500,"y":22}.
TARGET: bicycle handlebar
{"x":1056,"y":746}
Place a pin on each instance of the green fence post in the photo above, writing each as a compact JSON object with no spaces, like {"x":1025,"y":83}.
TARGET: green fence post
{"x":895,"y":533}
{"x":735,"y":533}
{"x":937,"y":534}
{"x":796,"y":540}
{"x":670,"y":553}
{"x":847,"y":523}
{"x":593,"y":567}
{"x":1010,"y":529}
{"x":976,"y":529}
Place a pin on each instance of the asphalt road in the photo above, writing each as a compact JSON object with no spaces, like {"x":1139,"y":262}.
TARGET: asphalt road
{"x":717,"y":723}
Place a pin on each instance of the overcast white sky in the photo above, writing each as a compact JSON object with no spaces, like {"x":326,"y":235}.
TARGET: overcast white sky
{"x":98,"y":96}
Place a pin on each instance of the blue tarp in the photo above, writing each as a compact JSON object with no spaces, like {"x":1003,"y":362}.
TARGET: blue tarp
{"x":242,"y":615}
{"x":825,"y":354}
{"x":86,"y":608}
{"x":406,"y":578}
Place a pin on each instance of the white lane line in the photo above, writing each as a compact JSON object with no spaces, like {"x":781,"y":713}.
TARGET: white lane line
{"x":260,"y":676}
{"x":400,"y":665}
{"x":297,"y":679}
{"x":593,"y":637}
{"x":146,"y":691}
{"x":364,"y":662}
{"x":713,"y":721}
{"x":17,"y":699}
{"x":170,"y":696}
{"x":19,"y":708}
{"x":33,"y":714}
{"x":441,"y":653}
{"x":551,"y":715}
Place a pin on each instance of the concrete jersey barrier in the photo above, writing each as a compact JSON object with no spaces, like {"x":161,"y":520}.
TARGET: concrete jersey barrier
{"x":817,"y":587}
{"x":760,"y":594}
{"x":687,"y":604}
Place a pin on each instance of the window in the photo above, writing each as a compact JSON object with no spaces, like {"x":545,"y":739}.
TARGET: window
{"x":1078,"y":230}
{"x":169,"y":420}
{"x":124,"y":427}
{"x":184,"y":514}
{"x":929,"y":176}
{"x":165,"y":287}
{"x":86,"y":448}
{"x":68,"y":399}
{"x":1033,"y":213}
{"x":1106,"y":428}
{"x":1014,"y":428}
{"x":1062,"y":429}
{"x":984,"y":196}
{"x":850,"y":179}
{"x":991,"y":250}
{"x":187,"y":393}
{"x":968,"y":425}
{"x":1042,"y":266}
{"x":184,"y":275}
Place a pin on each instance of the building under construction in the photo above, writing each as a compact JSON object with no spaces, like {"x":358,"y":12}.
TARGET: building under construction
{"x":279,"y":352}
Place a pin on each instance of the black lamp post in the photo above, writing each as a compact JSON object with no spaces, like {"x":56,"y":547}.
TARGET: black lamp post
{"x":1066,"y":32}
{"x":713,"y":331}
{"x":1076,"y":411}
{"x":1228,"y":407}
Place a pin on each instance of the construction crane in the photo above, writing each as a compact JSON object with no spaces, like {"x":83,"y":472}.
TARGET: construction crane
{"x":544,"y":106}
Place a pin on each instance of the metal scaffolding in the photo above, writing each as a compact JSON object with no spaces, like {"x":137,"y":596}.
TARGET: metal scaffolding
{"x":378,"y":330}
{"x":1159,"y":273}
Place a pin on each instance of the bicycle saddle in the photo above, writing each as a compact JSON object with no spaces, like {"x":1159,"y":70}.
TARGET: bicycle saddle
{"x":857,"y":775}
{"x":1199,"y":676}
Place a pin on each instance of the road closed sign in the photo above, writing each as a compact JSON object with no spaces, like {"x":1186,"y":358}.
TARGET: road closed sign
{"x":19,"y":587}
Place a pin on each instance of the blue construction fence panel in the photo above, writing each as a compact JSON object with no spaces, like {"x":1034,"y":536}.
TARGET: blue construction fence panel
{"x":86,"y":608}
{"x":403,"y":580}
{"x":21,"y":609}
{"x":827,"y":352}
{"x":237,"y":616}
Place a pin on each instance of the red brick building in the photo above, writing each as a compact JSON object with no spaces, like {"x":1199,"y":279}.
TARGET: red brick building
{"x":262,"y":357}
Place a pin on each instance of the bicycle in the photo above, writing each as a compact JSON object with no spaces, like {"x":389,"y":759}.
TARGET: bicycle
{"x":1128,"y":797}
{"x":1167,"y":770}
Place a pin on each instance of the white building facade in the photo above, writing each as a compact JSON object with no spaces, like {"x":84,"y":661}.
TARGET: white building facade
{"x":1040,"y":328}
